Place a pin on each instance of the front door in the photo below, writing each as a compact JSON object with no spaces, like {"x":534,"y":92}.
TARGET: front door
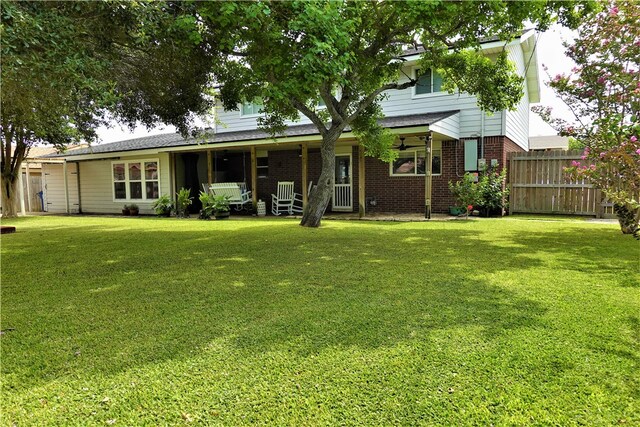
{"x":343,"y":191}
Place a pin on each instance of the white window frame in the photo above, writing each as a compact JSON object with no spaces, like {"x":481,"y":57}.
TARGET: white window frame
{"x":143,"y":180}
{"x":248,"y":115}
{"x":415,"y":152}
{"x":414,"y":73}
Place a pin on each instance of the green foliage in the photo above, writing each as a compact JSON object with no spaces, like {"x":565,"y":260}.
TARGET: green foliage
{"x":604,"y":95}
{"x":576,"y":144}
{"x":221,"y":203}
{"x":208,"y":205}
{"x":133,"y":207}
{"x":493,"y":193}
{"x":466,"y":192}
{"x":445,"y":323}
{"x":183,"y":201}
{"x":163,"y":206}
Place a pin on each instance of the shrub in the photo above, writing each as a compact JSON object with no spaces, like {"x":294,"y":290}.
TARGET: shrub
{"x":163,"y":206}
{"x":465,"y":191}
{"x":208,"y":205}
{"x":493,"y":194}
{"x":183,"y":201}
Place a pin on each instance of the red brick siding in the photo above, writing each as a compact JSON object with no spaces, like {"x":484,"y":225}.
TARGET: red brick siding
{"x":393,"y":194}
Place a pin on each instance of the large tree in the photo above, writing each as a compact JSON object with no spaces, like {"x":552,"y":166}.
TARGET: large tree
{"x":65,"y":64}
{"x":290,"y":54}
{"x":603,"y":92}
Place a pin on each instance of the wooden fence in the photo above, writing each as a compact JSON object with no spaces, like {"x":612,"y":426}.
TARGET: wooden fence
{"x":540,"y":185}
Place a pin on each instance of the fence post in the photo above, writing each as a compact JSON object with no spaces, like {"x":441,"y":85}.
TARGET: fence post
{"x":511,"y":167}
{"x":599,"y":207}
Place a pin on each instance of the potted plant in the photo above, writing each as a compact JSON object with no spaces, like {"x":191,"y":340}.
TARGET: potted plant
{"x":208,"y":205}
{"x":221,"y":207}
{"x":163,"y":206}
{"x":125,"y":210}
{"x":493,"y":193}
{"x":183,"y":201}
{"x":133,"y":209}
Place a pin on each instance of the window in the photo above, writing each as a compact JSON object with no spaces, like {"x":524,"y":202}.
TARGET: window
{"x":411,"y":163}
{"x":136,"y":180}
{"x":251,"y":108}
{"x":262,"y":166}
{"x":428,"y":82}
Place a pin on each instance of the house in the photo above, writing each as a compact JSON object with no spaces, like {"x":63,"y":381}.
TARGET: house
{"x":548,"y":143}
{"x":139,"y":170}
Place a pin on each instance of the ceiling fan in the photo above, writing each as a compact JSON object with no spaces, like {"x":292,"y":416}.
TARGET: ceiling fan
{"x":403,"y":147}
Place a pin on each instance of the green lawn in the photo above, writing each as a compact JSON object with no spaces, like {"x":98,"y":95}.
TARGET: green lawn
{"x":134,"y":321}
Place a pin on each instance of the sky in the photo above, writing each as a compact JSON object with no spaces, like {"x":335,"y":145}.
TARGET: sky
{"x":550,"y":53}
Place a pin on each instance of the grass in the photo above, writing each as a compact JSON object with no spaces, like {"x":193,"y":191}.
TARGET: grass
{"x":144,"y":321}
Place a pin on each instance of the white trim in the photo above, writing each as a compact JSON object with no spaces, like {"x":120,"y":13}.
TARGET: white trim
{"x":414,"y":95}
{"x":415,"y":151}
{"x":143,"y":181}
{"x":336,"y":186}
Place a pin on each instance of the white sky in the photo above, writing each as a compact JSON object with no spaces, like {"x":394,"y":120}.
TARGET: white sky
{"x":550,"y":53}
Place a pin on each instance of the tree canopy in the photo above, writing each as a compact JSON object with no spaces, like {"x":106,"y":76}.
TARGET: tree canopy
{"x":66,"y":64}
{"x":291,"y":54}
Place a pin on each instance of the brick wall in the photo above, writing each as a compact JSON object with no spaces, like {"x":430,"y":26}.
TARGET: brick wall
{"x":401,"y":194}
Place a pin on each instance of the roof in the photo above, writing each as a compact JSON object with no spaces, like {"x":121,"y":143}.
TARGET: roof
{"x":548,"y":142}
{"x":169,"y":140}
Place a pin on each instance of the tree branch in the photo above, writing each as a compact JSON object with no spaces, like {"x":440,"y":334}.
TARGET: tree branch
{"x":331,"y":103}
{"x":311,"y":115}
{"x":364,"y":103}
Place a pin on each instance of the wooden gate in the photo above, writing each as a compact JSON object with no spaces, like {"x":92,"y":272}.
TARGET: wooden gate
{"x":540,"y":185}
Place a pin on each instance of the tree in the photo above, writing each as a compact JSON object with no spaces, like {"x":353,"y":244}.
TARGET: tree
{"x":292,"y":54}
{"x":66,"y":64}
{"x":603,"y":92}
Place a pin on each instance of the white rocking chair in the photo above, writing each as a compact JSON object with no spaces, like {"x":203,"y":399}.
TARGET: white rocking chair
{"x":283,"y":200}
{"x":298,"y":202}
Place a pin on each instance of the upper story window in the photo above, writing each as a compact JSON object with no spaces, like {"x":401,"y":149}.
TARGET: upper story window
{"x":136,"y":180}
{"x":412,"y":162}
{"x":251,"y":108}
{"x":428,"y":82}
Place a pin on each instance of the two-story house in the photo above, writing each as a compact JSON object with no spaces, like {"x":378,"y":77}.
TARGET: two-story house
{"x":101,"y":179}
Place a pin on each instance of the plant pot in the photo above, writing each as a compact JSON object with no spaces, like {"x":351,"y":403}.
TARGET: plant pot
{"x":222,"y":215}
{"x":456,"y":211}
{"x":126,"y":212}
{"x":134,"y":212}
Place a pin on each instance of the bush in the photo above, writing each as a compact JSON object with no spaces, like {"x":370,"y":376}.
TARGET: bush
{"x":163,"y":206}
{"x":183,"y":201}
{"x":465,"y":191}
{"x":493,"y":194}
{"x":208,"y":205}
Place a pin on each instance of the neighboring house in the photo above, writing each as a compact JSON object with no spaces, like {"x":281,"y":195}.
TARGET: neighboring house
{"x":548,"y":142}
{"x":139,"y":170}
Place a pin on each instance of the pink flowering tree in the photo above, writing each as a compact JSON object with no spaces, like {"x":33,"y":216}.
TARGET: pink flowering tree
{"x":603,"y":92}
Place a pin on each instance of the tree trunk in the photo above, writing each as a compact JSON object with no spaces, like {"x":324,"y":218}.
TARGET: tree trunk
{"x":628,"y":218}
{"x":321,"y":195}
{"x":10,"y":194}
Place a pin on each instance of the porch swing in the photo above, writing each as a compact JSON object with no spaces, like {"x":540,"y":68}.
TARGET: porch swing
{"x":239,"y":196}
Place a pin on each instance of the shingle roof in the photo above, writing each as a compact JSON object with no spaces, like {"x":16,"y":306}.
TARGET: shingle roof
{"x":175,"y":140}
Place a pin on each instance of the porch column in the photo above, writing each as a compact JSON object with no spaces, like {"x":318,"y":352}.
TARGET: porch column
{"x":361,"y":183}
{"x":66,"y":185}
{"x":209,"y":168}
{"x":305,"y":179}
{"x":26,"y":168}
{"x":21,"y":185}
{"x":427,"y":176}
{"x":254,"y":176}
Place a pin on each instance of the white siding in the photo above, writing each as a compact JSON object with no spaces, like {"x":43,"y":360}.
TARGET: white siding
{"x":517,"y":122}
{"x":96,"y":185}
{"x":398,"y":103}
{"x":54,"y":193}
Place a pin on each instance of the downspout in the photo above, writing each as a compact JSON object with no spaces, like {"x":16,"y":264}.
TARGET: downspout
{"x":78,"y":187}
{"x":482,"y":134}
{"x":66,"y":186}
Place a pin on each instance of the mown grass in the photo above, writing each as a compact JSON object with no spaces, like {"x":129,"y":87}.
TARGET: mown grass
{"x":144,"y":321}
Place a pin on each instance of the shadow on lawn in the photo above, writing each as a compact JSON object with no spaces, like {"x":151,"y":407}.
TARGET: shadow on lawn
{"x":261,"y":288}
